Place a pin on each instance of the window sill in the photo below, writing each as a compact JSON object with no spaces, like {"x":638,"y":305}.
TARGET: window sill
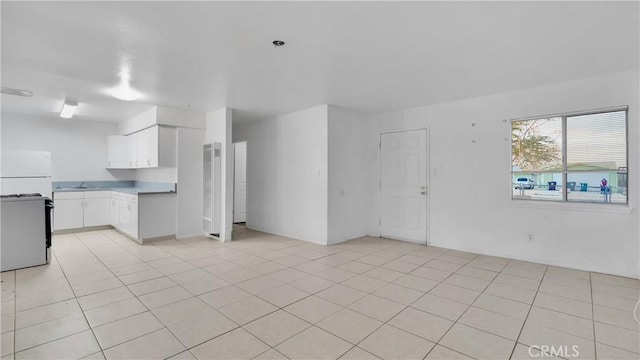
{"x":568,"y":206}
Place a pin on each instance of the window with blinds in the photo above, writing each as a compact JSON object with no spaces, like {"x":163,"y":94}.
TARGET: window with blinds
{"x":579,"y":157}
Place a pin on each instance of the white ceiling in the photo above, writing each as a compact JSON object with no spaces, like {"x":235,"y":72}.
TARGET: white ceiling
{"x":371,"y":57}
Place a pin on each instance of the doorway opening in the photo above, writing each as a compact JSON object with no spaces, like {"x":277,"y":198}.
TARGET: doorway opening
{"x":240,"y":183}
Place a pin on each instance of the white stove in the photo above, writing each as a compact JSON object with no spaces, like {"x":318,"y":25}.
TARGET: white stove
{"x":25,"y":230}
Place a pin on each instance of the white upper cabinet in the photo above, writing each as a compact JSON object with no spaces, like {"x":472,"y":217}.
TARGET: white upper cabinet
{"x":132,"y":150}
{"x":144,"y":141}
{"x":117,"y":152}
{"x":149,"y":148}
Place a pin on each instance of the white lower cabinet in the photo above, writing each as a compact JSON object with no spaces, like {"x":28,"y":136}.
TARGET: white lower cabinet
{"x":114,"y":209}
{"x":97,"y":211}
{"x":74,"y":210}
{"x":144,"y":217}
{"x":124,"y":210}
{"x":133,"y":216}
{"x":68,"y":214}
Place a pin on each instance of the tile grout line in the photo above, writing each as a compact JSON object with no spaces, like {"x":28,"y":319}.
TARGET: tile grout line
{"x":15,"y":310}
{"x":238,"y":326}
{"x":136,"y":297}
{"x":76,"y":299}
{"x":265,"y":315}
{"x":282,"y":308}
{"x":405,"y":307}
{"x":529,"y":312}
{"x":342,"y":308}
{"x":467,"y":309}
{"x":593,"y":318}
{"x":39,"y":306}
{"x":310,"y":260}
{"x":150,"y":310}
{"x":440,"y":282}
{"x":437,"y":343}
{"x":383,"y":322}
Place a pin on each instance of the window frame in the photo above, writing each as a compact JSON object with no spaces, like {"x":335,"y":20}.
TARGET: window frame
{"x":564,"y":172}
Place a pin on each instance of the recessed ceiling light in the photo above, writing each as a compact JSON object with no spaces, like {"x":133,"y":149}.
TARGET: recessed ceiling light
{"x":278,"y":43}
{"x":17,"y":92}
{"x":124,"y":91}
{"x":68,"y":108}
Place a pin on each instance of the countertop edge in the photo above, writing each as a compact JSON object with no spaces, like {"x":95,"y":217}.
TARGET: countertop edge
{"x":120,"y":190}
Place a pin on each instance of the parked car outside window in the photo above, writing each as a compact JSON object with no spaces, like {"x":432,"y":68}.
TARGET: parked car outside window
{"x":524,"y":183}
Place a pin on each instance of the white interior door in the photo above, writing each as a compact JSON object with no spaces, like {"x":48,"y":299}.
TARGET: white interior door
{"x":403,"y":185}
{"x":240,"y":183}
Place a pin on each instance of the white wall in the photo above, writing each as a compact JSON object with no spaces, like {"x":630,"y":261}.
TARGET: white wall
{"x":180,"y":118}
{"x":287,"y":174}
{"x":219,"y":129}
{"x":157,"y":175}
{"x":350,"y":154}
{"x":482,"y":218}
{"x":78,"y":148}
{"x":141,"y":121}
{"x":189,"y":202}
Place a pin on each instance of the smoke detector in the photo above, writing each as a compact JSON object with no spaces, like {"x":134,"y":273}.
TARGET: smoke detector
{"x":278,"y":43}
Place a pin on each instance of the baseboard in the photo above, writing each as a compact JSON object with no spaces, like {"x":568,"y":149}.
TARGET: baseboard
{"x":158,"y":238}
{"x":127,"y":235}
{"x":82,"y":229}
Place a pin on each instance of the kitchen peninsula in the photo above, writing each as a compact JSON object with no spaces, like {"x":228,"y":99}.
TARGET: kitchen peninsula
{"x":143,"y":211}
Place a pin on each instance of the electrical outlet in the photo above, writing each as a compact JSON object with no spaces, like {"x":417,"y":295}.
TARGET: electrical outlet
{"x":532,"y":237}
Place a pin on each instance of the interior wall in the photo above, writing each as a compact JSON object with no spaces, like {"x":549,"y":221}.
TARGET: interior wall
{"x":141,"y":121}
{"x":287,"y":174}
{"x":349,"y":200}
{"x":470,"y":191}
{"x":189,"y":178}
{"x":157,"y":175}
{"x":219,"y":129}
{"x":78,"y":148}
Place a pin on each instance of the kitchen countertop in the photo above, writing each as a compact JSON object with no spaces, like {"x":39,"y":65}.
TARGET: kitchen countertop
{"x":127,"y":186}
{"x":131,"y":190}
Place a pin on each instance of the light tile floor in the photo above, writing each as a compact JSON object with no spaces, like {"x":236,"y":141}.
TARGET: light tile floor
{"x":269,"y":297}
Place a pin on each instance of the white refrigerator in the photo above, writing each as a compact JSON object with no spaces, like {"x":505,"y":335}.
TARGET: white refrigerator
{"x":25,"y":172}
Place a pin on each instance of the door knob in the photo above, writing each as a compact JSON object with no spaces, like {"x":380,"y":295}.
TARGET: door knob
{"x":423,"y":190}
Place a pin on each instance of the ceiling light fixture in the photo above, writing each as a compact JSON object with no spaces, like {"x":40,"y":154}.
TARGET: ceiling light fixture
{"x":68,"y":108}
{"x":124,"y":91}
{"x":17,"y":92}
